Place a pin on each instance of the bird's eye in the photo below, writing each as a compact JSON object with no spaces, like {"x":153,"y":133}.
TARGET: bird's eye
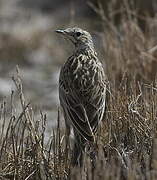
{"x":78,"y":34}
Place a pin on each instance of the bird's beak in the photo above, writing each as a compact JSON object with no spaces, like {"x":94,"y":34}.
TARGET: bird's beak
{"x":60,"y":31}
{"x":67,"y":34}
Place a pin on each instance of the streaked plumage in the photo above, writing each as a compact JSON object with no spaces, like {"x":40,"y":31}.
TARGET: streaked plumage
{"x":82,"y":90}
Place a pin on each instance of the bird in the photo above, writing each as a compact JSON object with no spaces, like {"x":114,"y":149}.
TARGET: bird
{"x":82,"y":91}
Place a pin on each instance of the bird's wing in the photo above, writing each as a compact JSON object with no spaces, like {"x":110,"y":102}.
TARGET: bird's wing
{"x":76,"y":114}
{"x":85,"y":118}
{"x":96,"y":106}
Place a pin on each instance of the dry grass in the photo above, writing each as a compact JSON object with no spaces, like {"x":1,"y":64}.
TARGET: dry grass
{"x":127,"y":140}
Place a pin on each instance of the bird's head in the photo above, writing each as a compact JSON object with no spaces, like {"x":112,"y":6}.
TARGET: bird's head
{"x":80,"y":38}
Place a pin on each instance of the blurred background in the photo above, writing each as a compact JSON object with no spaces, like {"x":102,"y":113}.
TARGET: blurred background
{"x":27,"y":39}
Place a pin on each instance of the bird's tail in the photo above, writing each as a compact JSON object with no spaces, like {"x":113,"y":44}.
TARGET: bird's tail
{"x":78,"y":151}
{"x":82,"y":146}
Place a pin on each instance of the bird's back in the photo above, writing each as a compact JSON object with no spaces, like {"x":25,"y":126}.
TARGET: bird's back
{"x":83,"y":89}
